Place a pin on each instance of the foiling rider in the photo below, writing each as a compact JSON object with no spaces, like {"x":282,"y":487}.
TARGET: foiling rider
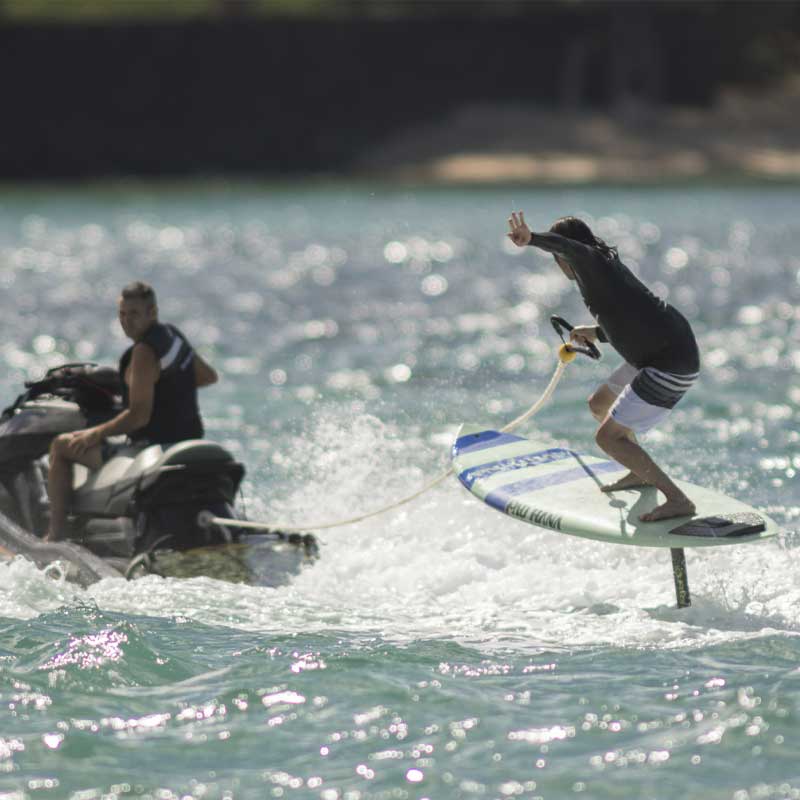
{"x":662,"y":360}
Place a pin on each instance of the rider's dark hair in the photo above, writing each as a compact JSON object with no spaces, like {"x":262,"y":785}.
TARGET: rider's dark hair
{"x":579,"y":231}
{"x":140,"y":291}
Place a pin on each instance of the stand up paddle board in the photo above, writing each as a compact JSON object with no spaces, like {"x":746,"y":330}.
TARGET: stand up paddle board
{"x":559,"y":489}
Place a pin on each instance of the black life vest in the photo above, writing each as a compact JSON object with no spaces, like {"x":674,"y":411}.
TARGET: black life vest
{"x":175,"y":415}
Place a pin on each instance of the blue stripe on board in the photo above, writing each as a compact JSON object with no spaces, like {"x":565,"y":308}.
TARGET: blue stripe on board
{"x":473,"y":442}
{"x":499,"y":498}
{"x":481,"y":471}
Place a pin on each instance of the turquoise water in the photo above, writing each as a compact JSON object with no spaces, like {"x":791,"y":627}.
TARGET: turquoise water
{"x":441,"y":650}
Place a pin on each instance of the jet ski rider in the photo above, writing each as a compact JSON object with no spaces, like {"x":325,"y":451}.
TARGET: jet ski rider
{"x":661,"y":355}
{"x":161,"y":374}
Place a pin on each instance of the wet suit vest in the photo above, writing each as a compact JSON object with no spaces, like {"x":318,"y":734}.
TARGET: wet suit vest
{"x":175,"y":415}
{"x":644,"y":329}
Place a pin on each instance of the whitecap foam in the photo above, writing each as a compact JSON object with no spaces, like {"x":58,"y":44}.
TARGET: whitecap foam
{"x":447,"y":566}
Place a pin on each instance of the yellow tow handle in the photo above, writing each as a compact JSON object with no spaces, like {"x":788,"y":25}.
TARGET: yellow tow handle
{"x":566,"y":354}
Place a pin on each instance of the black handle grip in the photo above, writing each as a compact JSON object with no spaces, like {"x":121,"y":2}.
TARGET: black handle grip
{"x":561,"y":325}
{"x":53,"y":371}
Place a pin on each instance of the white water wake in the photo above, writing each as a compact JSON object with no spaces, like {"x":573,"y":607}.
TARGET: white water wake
{"x":447,"y":566}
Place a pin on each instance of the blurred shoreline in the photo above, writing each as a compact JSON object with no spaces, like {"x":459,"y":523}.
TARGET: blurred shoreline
{"x":743,"y":136}
{"x":552,"y":93}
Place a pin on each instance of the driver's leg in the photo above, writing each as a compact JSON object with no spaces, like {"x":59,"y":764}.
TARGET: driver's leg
{"x":59,"y":480}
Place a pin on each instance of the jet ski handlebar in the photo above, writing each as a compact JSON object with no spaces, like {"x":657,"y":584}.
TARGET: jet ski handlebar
{"x":61,"y":371}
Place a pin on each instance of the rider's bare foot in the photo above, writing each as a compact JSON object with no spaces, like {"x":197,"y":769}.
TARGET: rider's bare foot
{"x":629,"y":481}
{"x":682,"y":507}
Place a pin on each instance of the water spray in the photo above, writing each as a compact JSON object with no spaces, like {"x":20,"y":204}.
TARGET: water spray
{"x":567,"y":353}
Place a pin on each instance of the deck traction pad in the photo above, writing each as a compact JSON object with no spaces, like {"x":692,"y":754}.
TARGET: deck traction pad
{"x":723,"y":526}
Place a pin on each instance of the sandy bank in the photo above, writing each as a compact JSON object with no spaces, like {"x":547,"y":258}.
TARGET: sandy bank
{"x":752,"y":135}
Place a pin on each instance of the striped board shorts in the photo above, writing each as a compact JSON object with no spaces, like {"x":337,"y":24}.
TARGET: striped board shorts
{"x":646,"y":396}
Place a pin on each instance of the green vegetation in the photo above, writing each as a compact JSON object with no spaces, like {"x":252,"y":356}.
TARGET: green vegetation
{"x":82,"y":11}
{"x":123,"y":11}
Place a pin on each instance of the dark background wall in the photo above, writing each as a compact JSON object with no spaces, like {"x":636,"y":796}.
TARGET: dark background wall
{"x":288,"y":96}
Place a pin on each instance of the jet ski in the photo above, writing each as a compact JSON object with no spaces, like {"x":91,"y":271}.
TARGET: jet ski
{"x":144,"y":511}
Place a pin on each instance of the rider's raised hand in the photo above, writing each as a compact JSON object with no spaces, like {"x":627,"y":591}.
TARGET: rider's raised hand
{"x":520,"y":233}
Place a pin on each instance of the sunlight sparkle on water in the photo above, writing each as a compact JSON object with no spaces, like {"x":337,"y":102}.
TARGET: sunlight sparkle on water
{"x":90,"y":651}
{"x":441,"y":649}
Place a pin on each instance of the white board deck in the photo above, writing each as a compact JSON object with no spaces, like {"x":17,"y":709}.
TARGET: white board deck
{"x":559,"y":489}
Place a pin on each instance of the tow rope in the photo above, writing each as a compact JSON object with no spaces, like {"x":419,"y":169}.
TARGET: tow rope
{"x":566,"y":353}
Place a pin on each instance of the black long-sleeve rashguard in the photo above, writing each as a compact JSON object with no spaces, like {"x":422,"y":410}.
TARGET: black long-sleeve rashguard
{"x":644,"y":329}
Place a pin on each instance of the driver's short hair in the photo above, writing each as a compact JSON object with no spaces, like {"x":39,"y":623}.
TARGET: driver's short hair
{"x":138,"y":290}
